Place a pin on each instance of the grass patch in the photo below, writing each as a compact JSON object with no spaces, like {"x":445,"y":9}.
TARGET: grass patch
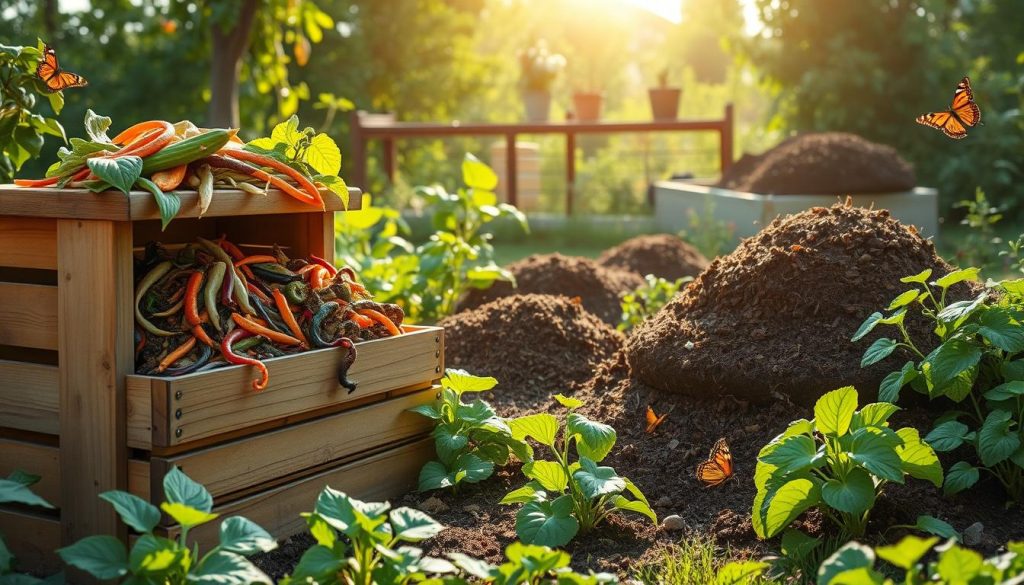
{"x":690,"y":562}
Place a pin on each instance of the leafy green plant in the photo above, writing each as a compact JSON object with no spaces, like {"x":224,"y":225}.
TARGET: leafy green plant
{"x":529,"y":564}
{"x":470,"y":438}
{"x":315,"y":154}
{"x":977,"y":365}
{"x":22,"y":130}
{"x":695,"y":560}
{"x":565,"y":496}
{"x":15,"y":490}
{"x":855,"y":563}
{"x":838,"y":462}
{"x":712,"y":236}
{"x":980,"y":217}
{"x":649,"y":299}
{"x":155,"y":559}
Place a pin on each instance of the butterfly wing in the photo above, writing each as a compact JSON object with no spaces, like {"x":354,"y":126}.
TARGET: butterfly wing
{"x":718,"y":468}
{"x":962,"y":95}
{"x":67,"y":80}
{"x":653,"y":420}
{"x":49,"y":72}
{"x":935,"y":119}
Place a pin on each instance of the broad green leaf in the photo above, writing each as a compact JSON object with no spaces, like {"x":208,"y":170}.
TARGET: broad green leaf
{"x":413,"y":525}
{"x":853,"y":494}
{"x":740,"y":572}
{"x":477,"y":175}
{"x":287,"y":132}
{"x":919,"y":460}
{"x":434,"y":476}
{"x":168,"y":203}
{"x":921,"y":277}
{"x":320,"y":530}
{"x":474,"y":567}
{"x":950,"y":359}
{"x":541,"y":427}
{"x":1002,"y":331}
{"x":137,"y":513}
{"x":959,"y":311}
{"x":186,"y":515}
{"x":96,"y":126}
{"x":889,"y":389}
{"x":24,"y":478}
{"x":448,"y":442}
{"x":960,"y":386}
{"x":796,"y":545}
{"x":794,"y":454}
{"x":959,"y":565}
{"x":878,"y":351}
{"x":996,"y":442}
{"x":337,"y":186}
{"x":154,"y":556}
{"x":548,"y":474}
{"x":788,"y":502}
{"x":620,"y":502}
{"x":121,"y":172}
{"x":852,"y":555}
{"x":318,"y":564}
{"x":867,"y":326}
{"x":834,"y":411}
{"x":1013,"y":370}
{"x":1006,"y":391}
{"x":521,"y":495}
{"x":227,"y":568}
{"x":568,"y":402}
{"x":547,"y":523}
{"x":475,"y":469}
{"x":15,"y":492}
{"x":245,"y":537}
{"x":874,"y":450}
{"x":960,"y":476}
{"x":596,"y":481}
{"x":324,"y":155}
{"x":594,"y":440}
{"x":462,"y":381}
{"x":947,"y":436}
{"x":478,"y":412}
{"x":907,"y":552}
{"x":875,"y":414}
{"x":860,"y":576}
{"x":932,"y":525}
{"x":964,"y":274}
{"x":904,"y":299}
{"x":102,"y":556}
{"x":426,"y":410}
{"x":896,"y":318}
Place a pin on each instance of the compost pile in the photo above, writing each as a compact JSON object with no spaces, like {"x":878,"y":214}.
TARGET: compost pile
{"x":209,"y":305}
{"x":820,"y":164}
{"x":778,"y":313}
{"x":662,"y":255}
{"x":535,"y":345}
{"x":599,"y":288}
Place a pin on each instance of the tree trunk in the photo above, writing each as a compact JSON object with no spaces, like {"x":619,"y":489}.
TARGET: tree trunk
{"x":50,"y":10}
{"x":226,"y":66}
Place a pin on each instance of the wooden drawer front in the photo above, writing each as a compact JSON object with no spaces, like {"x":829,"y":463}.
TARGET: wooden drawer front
{"x":261,"y":461}
{"x":29,"y":397}
{"x":28,"y":315}
{"x":199,"y":406}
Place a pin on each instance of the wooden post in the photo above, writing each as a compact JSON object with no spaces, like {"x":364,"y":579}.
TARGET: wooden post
{"x":390,"y":156}
{"x":511,"y":170}
{"x":95,"y":321}
{"x":570,"y":171}
{"x":726,"y":142}
{"x":358,"y":151}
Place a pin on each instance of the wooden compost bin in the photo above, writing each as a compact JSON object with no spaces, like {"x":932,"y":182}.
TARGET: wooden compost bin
{"x":73,"y":411}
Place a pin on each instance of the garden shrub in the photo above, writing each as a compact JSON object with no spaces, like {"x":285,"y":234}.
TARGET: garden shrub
{"x":977,"y":365}
{"x":837,"y":462}
{"x":648,"y":299}
{"x":21,"y":128}
{"x":15,"y":490}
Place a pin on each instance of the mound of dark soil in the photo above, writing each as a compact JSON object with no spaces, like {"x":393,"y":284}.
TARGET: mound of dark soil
{"x":777,"y":314}
{"x":599,"y":288}
{"x":662,"y":255}
{"x":535,"y":345}
{"x":820,"y":164}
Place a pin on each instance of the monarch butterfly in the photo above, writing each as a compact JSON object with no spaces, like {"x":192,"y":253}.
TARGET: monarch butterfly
{"x":50,"y":73}
{"x":962,"y":113}
{"x":718,"y":468}
{"x":654,"y":420}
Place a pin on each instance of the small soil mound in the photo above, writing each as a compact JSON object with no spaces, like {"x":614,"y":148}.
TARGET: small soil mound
{"x":821,"y":164}
{"x":599,"y":288}
{"x":778,"y":313}
{"x":535,"y":345}
{"x":662,"y":255}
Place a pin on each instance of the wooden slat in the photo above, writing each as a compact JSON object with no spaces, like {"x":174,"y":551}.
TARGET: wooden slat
{"x":272,"y":457}
{"x":139,"y":413}
{"x":28,"y":315}
{"x":96,"y":353}
{"x":222,"y":401}
{"x":29,"y":396}
{"x":138,"y":478}
{"x":376,"y":478}
{"x":41,"y":460}
{"x":28,"y":242}
{"x":32,"y":539}
{"x":115,"y":206}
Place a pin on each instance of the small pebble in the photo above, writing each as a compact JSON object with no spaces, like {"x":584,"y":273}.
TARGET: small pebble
{"x":972,"y":534}
{"x":673,"y":522}
{"x":663,"y":502}
{"x":673,"y":443}
{"x":471,"y":508}
{"x":432,"y":505}
{"x":752,"y":428}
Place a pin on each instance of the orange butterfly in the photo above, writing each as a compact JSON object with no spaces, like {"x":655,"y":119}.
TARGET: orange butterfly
{"x":50,"y":73}
{"x":718,"y":468}
{"x":654,"y":420}
{"x":964,"y":112}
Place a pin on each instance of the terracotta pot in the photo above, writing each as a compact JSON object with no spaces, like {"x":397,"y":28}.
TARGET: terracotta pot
{"x":664,"y":102}
{"x":587,"y":106}
{"x":538,"y":105}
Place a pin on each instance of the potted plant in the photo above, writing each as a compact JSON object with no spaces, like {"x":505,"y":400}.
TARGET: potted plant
{"x":540,"y":68}
{"x":587,"y":105}
{"x":664,"y":99}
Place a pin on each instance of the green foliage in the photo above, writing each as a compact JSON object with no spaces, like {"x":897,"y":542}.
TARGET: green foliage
{"x":837,"y":462}
{"x":648,"y":299}
{"x":22,"y":130}
{"x":712,"y":236}
{"x":155,"y":559}
{"x":565,"y":496}
{"x":529,"y":564}
{"x":694,"y":561}
{"x":314,"y":154}
{"x":15,"y":490}
{"x":855,"y":563}
{"x":470,"y":438}
{"x":977,"y":365}
{"x":979,"y":248}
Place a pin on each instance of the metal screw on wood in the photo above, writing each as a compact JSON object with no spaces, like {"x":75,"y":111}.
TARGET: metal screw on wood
{"x":437,"y":353}
{"x":437,"y":339}
{"x":177,"y":432}
{"x":177,"y":414}
{"x":437,"y":369}
{"x":177,"y":394}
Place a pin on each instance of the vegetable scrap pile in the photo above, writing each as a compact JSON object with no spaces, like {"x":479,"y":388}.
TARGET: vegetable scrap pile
{"x":662,"y":255}
{"x":161,"y":157}
{"x":536,"y":345}
{"x":599,"y":288}
{"x":778,"y":313}
{"x":209,"y":305}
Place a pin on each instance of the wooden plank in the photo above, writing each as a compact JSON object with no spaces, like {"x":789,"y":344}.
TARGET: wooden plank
{"x":49,"y":202}
{"x":138,"y":478}
{"x":376,"y":478}
{"x":221,"y":401}
{"x":41,"y":460}
{"x":28,"y":242}
{"x":96,"y":353}
{"x":28,"y":315}
{"x":272,"y":457}
{"x":139,"y":412}
{"x":29,"y":394}
{"x":32,"y":539}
